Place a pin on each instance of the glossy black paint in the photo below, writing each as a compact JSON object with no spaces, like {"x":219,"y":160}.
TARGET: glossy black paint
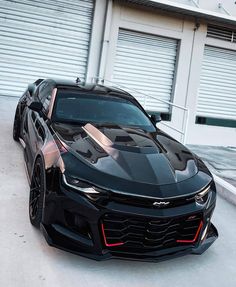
{"x":134,"y":168}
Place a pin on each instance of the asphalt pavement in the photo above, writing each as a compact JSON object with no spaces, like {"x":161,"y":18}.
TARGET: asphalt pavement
{"x":26,"y":260}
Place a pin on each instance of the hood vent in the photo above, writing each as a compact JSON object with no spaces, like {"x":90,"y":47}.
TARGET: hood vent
{"x":224,"y":34}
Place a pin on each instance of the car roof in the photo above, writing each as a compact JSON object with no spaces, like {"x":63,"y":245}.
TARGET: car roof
{"x":90,"y":87}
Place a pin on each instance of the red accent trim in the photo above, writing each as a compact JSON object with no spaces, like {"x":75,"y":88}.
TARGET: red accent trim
{"x":105,"y":239}
{"x":195,"y":237}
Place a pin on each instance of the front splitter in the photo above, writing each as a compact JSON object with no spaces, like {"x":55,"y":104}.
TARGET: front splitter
{"x":61,"y":242}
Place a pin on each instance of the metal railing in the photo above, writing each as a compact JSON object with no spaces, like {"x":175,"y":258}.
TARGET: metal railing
{"x":182,"y":131}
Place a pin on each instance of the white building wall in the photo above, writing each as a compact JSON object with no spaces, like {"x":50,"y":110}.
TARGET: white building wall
{"x":110,"y":15}
{"x":204,"y":134}
{"x":192,"y":41}
{"x":148,"y":21}
{"x":218,"y":6}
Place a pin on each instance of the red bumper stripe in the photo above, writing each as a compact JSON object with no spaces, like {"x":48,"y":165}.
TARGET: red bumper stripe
{"x":195,"y":237}
{"x":105,"y":239}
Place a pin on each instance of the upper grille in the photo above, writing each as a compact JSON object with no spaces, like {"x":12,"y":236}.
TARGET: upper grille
{"x":146,"y":233}
{"x":148,"y":202}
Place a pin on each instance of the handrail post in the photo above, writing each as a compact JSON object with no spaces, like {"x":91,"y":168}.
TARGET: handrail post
{"x":186,"y":127}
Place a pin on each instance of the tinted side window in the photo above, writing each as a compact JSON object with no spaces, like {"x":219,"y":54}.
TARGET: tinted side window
{"x":46,"y":100}
{"x":44,"y":95}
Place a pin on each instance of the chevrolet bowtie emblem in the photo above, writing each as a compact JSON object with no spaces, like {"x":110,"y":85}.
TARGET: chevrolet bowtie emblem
{"x":161,"y":203}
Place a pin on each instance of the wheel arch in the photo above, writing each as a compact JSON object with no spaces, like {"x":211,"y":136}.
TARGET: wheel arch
{"x":51,"y":172}
{"x":38,"y":155}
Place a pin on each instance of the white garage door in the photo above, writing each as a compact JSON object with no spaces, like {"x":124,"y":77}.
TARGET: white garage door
{"x":42,"y":39}
{"x":217,"y":92}
{"x":146,"y":63}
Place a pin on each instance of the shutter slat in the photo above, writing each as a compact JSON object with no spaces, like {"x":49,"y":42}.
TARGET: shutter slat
{"x":217,"y":91}
{"x":43,"y":39}
{"x":146,"y":63}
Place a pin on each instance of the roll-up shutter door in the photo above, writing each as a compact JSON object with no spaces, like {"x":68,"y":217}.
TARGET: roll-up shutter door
{"x":42,"y":39}
{"x":217,"y":92}
{"x":146,"y":63}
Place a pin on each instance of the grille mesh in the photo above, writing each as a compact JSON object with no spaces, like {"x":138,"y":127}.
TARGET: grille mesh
{"x":146,"y":233}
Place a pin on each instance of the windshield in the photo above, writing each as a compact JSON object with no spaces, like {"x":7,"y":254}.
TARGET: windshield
{"x":76,"y":106}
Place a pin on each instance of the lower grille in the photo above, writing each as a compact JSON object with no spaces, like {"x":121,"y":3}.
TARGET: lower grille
{"x":120,"y":231}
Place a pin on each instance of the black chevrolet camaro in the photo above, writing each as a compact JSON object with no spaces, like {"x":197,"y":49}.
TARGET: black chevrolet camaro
{"x":105,"y":181}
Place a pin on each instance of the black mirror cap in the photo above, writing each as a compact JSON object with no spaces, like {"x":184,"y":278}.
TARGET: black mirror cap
{"x":156,"y":118}
{"x":36,"y":106}
{"x":32,"y":87}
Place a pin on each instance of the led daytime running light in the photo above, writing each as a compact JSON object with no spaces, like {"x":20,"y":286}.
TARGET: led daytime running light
{"x":86,"y":190}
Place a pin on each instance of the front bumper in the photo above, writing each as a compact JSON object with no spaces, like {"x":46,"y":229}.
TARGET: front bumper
{"x":89,"y":240}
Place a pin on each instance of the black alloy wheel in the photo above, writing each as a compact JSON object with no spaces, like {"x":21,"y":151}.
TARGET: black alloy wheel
{"x":37,"y":190}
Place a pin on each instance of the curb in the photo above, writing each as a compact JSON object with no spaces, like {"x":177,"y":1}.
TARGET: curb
{"x":225,"y":189}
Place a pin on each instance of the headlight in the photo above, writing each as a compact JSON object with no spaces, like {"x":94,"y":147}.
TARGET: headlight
{"x":79,"y":185}
{"x":202,"y":196}
{"x":93,"y":193}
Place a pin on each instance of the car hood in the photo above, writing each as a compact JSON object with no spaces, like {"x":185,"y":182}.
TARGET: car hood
{"x":131,"y":154}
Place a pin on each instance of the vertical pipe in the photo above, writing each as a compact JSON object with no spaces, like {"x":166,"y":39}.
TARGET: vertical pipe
{"x":186,"y":127}
{"x":106,"y":39}
{"x":97,"y":34}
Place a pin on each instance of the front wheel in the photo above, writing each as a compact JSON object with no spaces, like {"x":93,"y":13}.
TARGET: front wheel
{"x":37,"y":191}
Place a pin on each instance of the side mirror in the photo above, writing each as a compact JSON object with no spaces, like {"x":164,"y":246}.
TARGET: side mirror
{"x":36,"y":106}
{"x":156,"y":118}
{"x":31,"y":88}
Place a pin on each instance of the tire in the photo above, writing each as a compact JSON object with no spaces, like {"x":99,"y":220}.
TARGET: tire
{"x":37,"y":191}
{"x":16,"y":125}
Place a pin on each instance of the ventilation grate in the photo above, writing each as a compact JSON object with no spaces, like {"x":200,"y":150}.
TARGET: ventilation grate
{"x":221,"y":33}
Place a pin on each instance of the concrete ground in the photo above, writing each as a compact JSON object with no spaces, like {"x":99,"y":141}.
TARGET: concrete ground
{"x":26,"y":260}
{"x":220,"y":160}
